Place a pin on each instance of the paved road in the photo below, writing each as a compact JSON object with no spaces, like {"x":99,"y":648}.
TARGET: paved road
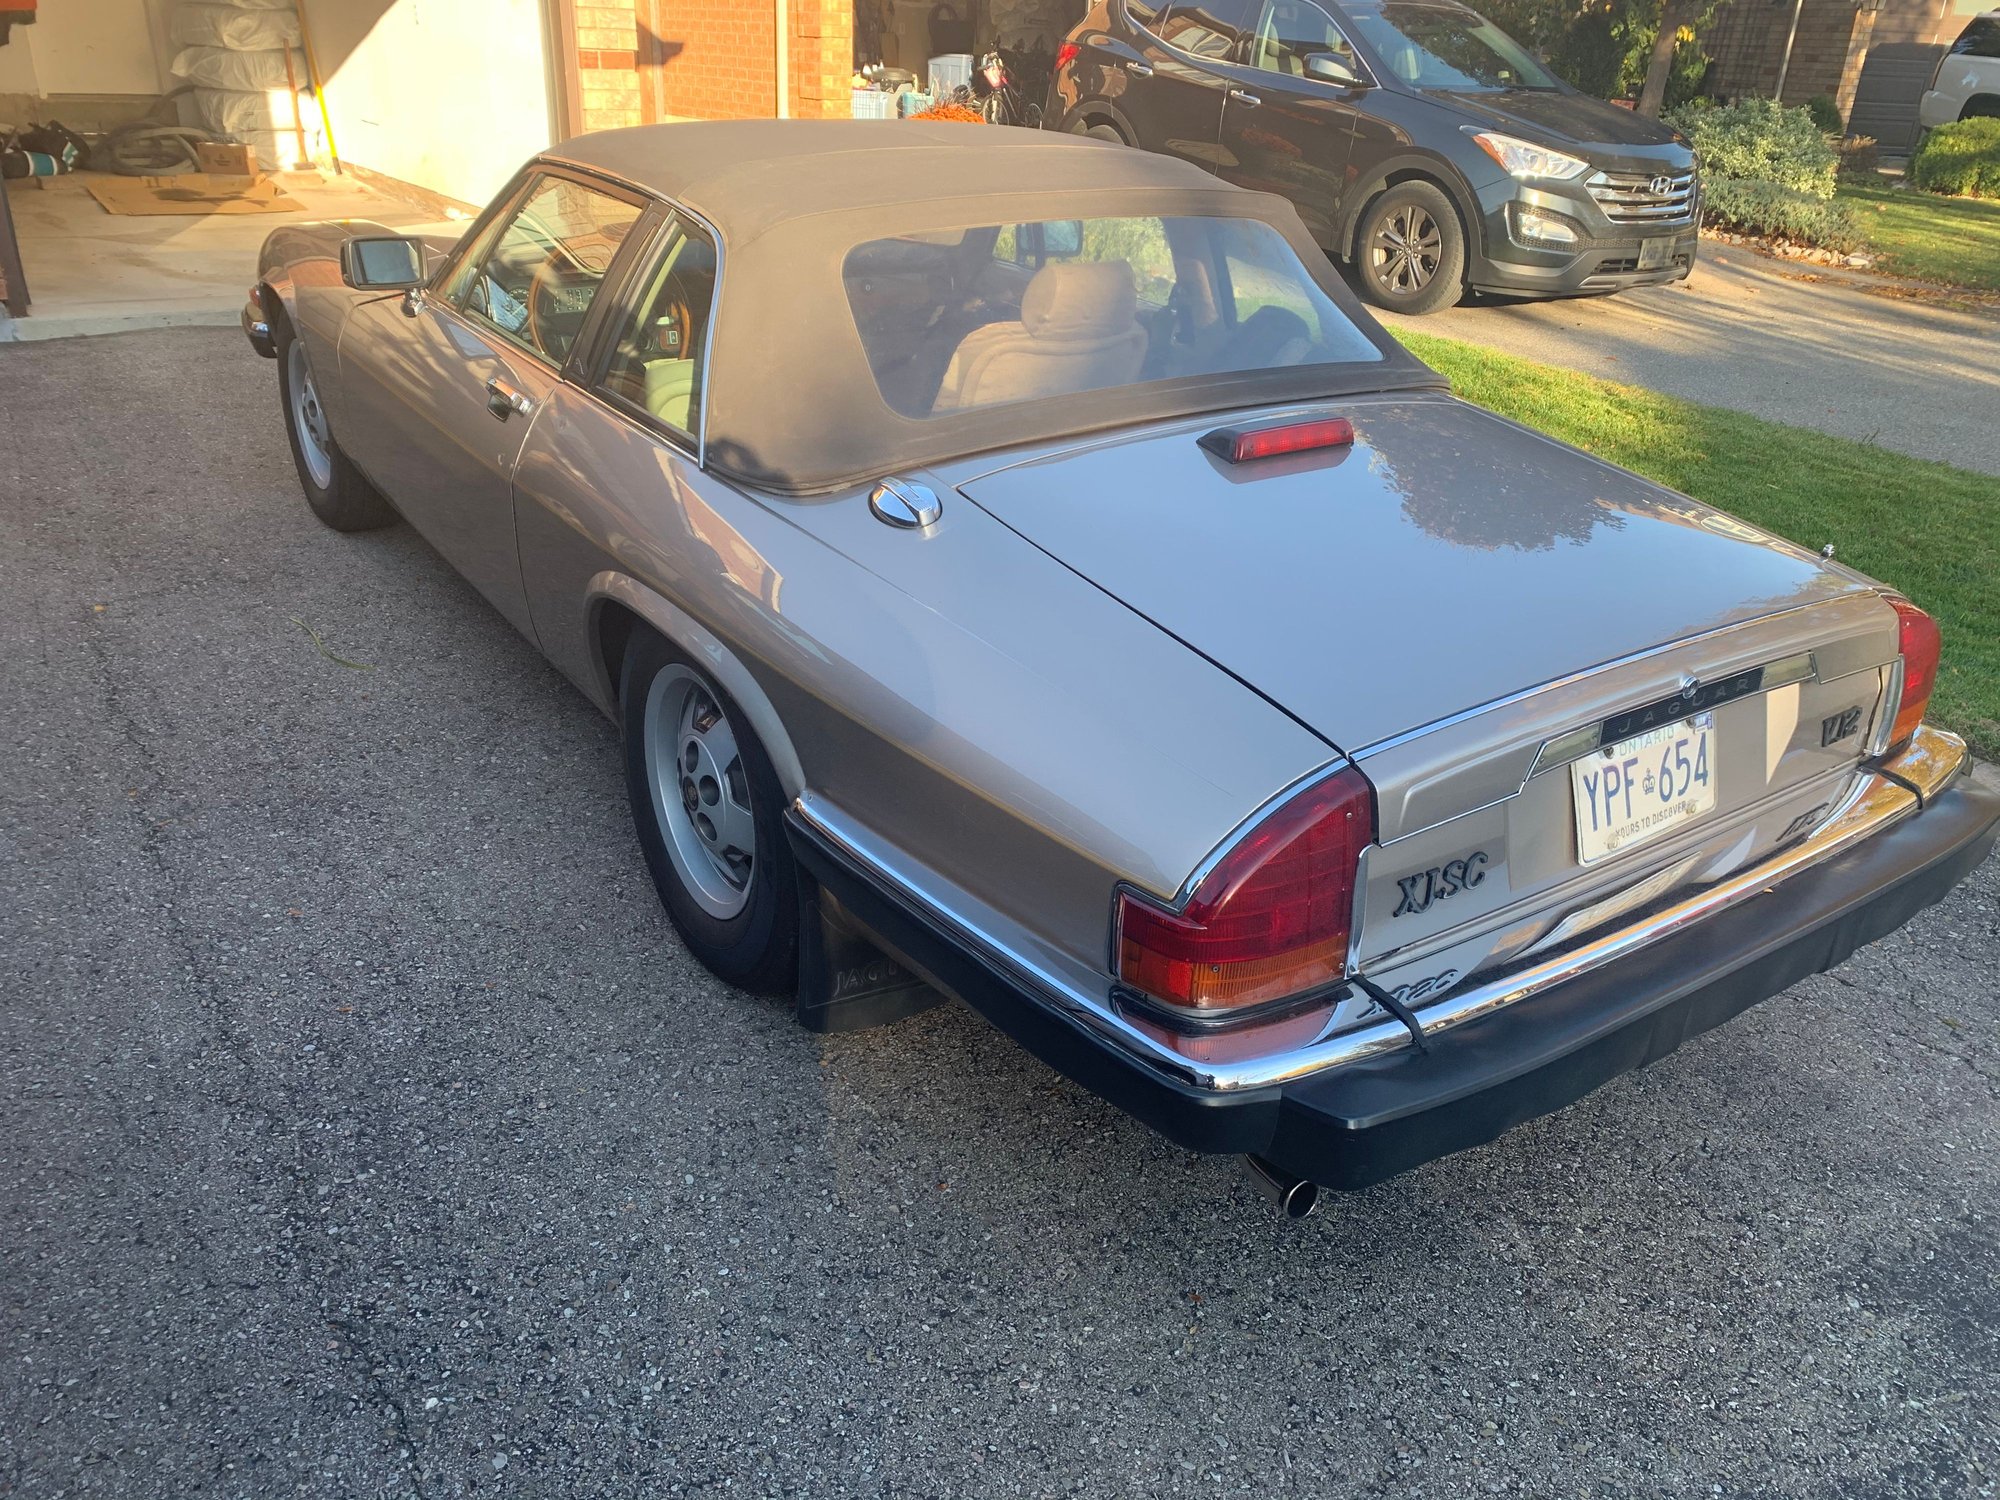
{"x":1744,"y":332}
{"x":364,"y":1132}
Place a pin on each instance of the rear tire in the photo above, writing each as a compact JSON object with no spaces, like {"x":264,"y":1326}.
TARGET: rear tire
{"x":710,"y":818}
{"x":335,"y":489}
{"x":1109,"y":133}
{"x":1410,"y":250}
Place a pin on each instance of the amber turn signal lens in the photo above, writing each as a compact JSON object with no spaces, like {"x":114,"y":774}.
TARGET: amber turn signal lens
{"x":1270,"y":920}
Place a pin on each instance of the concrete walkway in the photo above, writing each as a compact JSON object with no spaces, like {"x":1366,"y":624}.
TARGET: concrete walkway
{"x":91,"y":271}
{"x":1745,"y":331}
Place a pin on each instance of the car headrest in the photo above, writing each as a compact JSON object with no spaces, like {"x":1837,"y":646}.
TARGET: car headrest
{"x":1079,"y":300}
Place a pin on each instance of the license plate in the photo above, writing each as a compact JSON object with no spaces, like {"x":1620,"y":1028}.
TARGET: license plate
{"x":1635,"y":791}
{"x":1653,"y":254}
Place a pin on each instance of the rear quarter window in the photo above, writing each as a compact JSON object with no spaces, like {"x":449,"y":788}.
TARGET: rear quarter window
{"x":1980,"y":39}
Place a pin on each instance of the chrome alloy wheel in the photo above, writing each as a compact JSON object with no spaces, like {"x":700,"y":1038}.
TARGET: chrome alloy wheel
{"x":701,"y":792}
{"x":309,"y":418}
{"x":1404,"y":253}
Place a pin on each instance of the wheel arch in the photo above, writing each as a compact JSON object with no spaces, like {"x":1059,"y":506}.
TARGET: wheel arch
{"x":620,"y":605}
{"x":1980,"y":106}
{"x":1435,"y":171}
{"x":1100,"y":112}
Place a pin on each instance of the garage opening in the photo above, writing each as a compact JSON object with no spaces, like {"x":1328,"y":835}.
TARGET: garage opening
{"x":149,"y":146}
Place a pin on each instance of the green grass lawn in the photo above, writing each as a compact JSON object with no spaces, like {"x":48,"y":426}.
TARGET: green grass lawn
{"x":1955,"y":240}
{"x":1930,"y":530}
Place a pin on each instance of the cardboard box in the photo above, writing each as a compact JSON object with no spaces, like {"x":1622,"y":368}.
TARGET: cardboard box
{"x":189,"y":193}
{"x":226,"y":159}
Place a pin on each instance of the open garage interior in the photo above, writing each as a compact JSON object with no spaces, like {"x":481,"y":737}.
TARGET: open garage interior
{"x":339,"y":108}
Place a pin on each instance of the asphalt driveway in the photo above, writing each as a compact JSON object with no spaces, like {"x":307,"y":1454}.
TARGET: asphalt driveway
{"x":1756,"y":335}
{"x":365,"y":1132}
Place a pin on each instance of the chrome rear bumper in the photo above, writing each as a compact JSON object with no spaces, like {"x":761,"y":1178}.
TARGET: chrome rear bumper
{"x":1352,"y":1108}
{"x":1876,"y":803}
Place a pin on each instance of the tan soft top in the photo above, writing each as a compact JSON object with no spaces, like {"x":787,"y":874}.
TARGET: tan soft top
{"x":791,"y":405}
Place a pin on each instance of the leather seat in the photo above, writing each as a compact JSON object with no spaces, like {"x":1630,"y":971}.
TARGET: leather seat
{"x":670,"y":390}
{"x":1079,"y":331}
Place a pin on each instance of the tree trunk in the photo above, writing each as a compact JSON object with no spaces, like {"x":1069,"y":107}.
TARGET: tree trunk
{"x":1673,"y":15}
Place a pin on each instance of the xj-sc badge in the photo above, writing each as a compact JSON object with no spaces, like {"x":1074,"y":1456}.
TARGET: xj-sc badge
{"x":1438,"y":882}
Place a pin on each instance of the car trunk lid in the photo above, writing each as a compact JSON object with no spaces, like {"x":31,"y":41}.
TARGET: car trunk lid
{"x":1446,"y":559}
{"x":1454,"y":600}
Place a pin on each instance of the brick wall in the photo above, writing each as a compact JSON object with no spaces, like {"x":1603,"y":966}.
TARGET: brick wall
{"x":822,"y":58}
{"x":607,"y":63}
{"x":1747,"y":40}
{"x":717,"y":59}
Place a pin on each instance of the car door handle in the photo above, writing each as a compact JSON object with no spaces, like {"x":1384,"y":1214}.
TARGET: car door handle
{"x":503,"y":400}
{"x":1243,"y":97}
{"x":1138,"y":70}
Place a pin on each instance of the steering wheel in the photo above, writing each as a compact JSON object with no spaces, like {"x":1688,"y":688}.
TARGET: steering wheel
{"x":673,"y":330}
{"x":559,"y":293}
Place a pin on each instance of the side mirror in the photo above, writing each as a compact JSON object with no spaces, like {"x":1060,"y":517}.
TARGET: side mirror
{"x":1331,"y":67}
{"x":382,"y":263}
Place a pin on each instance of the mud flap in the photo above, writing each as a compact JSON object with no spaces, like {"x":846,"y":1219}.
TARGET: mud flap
{"x":846,"y":983}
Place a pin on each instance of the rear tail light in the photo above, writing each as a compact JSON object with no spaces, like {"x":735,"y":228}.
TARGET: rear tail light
{"x":1271,"y":920}
{"x":1066,"y":54}
{"x":1921,"y":646}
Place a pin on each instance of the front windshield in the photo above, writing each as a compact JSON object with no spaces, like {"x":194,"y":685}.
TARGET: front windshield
{"x":1446,"y":48}
{"x":1001,"y":313}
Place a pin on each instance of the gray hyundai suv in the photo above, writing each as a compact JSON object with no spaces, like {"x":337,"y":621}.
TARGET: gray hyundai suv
{"x":1419,"y":141}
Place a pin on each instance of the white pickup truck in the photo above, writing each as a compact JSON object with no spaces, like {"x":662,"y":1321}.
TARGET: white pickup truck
{"x":1967,"y":81}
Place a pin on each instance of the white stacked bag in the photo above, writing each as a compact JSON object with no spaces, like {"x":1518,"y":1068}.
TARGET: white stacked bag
{"x":234,"y":54}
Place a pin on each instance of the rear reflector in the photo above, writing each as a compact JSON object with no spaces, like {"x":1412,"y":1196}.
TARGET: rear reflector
{"x":1921,"y":645}
{"x":1237,"y":445}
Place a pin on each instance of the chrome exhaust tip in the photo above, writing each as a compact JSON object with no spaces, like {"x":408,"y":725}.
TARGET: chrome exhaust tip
{"x":1295,"y":1197}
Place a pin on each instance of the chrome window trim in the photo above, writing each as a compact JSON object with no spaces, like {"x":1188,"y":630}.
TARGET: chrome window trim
{"x":587,"y":381}
{"x":516,"y":198}
{"x":715,"y":309}
{"x":672,"y":206}
{"x":1934,"y":758}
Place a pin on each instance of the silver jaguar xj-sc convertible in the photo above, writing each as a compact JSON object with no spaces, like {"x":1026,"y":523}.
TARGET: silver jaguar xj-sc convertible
{"x":1022,"y":572}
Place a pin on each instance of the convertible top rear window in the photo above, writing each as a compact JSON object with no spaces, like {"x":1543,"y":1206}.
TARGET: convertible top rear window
{"x":962,"y":319}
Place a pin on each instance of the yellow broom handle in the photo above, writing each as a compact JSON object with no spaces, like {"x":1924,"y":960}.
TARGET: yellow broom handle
{"x":318,"y":83}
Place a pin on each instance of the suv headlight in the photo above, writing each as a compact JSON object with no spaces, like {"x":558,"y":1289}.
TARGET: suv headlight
{"x":1525,"y":159}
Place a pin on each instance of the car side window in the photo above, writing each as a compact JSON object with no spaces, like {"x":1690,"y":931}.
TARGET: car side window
{"x":1209,"y":29}
{"x":656,"y":365}
{"x":1290,"y":31}
{"x":532,"y":282}
{"x":1980,"y":39}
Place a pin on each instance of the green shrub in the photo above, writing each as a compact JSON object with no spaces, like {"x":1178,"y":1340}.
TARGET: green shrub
{"x":1759,"y":140}
{"x":1825,"y":114}
{"x":1764,"y":208}
{"x":1962,"y":160}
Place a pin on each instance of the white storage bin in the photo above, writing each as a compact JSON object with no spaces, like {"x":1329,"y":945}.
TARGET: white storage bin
{"x":951,"y":71}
